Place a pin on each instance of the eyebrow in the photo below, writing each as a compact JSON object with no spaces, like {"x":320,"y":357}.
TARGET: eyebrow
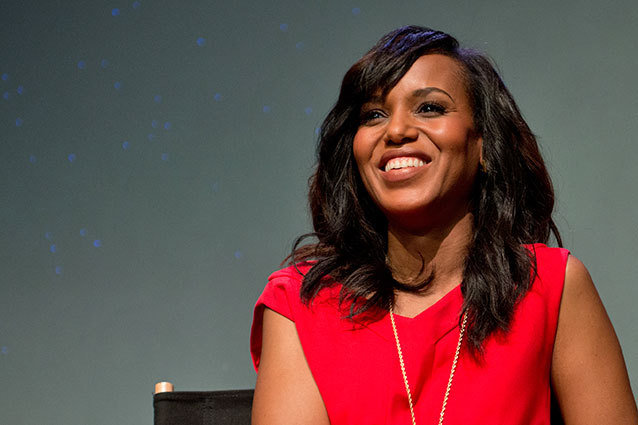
{"x":416,"y":93}
{"x":427,"y":90}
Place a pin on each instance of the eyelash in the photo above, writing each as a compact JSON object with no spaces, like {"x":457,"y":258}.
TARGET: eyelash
{"x":432,"y":107}
{"x":435,"y":107}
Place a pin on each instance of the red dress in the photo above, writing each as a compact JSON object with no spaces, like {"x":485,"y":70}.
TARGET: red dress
{"x":356,"y":366}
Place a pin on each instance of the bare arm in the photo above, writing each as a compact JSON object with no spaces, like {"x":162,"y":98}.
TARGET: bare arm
{"x":286,"y":392}
{"x":588,"y":370}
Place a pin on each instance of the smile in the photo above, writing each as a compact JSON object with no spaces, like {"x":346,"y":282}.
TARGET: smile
{"x":403,"y":162}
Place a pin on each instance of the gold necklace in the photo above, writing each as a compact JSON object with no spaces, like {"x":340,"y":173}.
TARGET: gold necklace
{"x":405,"y":377}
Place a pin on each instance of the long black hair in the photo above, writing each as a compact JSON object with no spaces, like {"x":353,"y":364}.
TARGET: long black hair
{"x":512,"y":199}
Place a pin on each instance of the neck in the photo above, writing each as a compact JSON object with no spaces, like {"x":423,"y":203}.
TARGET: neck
{"x":442,"y":250}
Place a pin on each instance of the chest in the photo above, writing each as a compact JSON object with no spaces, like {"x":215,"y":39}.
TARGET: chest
{"x":359,"y":376}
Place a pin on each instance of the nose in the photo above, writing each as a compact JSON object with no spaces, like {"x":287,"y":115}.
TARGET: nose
{"x":400,"y":129}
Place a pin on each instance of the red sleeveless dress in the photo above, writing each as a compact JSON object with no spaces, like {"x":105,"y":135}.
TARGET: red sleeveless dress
{"x":356,"y":366}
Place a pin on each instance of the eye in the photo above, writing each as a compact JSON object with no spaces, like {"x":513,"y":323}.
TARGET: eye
{"x":431,"y":108}
{"x":368,"y":117}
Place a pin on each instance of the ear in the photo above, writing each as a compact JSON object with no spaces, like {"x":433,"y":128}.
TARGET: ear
{"x":482,"y":165}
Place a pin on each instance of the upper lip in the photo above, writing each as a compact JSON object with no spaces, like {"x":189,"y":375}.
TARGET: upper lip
{"x":402,"y":152}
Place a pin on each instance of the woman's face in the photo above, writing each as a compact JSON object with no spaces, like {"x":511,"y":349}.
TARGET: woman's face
{"x":416,"y":150}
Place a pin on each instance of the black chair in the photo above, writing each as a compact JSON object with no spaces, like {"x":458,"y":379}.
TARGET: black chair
{"x":201,"y":407}
{"x":224,"y":407}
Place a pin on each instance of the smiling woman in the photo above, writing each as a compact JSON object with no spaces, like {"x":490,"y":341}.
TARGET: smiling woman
{"x":430,"y":294}
{"x":417,"y":151}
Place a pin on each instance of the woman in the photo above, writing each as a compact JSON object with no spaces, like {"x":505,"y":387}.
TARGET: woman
{"x":430,"y":296}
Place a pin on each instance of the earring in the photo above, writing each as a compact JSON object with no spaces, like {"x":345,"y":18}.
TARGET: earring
{"x":482,"y":164}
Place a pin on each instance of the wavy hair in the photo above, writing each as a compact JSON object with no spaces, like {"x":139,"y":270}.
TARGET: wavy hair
{"x":512,"y":200}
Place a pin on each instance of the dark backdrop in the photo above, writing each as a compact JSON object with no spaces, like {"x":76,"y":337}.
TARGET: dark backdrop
{"x":154,"y":160}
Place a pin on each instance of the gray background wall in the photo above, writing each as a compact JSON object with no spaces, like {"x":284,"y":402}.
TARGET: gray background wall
{"x":153,"y":167}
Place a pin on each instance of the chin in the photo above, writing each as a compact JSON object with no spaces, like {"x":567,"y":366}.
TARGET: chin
{"x":419,"y":217}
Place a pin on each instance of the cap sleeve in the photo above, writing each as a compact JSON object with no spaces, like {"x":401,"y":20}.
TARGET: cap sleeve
{"x":281,"y":295}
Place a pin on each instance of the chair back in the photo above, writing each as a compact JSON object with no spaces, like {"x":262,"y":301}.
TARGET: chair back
{"x":232,"y":407}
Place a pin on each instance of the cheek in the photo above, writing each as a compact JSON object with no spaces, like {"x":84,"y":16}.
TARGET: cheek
{"x":457,"y":140}
{"x":449,"y":135}
{"x":358,"y":147}
{"x":362,"y":151}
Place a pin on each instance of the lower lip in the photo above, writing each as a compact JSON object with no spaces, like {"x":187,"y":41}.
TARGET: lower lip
{"x":401,"y":174}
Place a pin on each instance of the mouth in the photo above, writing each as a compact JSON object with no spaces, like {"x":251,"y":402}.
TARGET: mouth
{"x":402,"y":162}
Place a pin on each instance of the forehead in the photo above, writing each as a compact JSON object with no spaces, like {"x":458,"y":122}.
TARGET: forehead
{"x":433,"y":70}
{"x":437,"y":67}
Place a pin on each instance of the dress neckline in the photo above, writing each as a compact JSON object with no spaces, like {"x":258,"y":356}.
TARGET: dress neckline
{"x":453,"y":296}
{"x":429,"y":325}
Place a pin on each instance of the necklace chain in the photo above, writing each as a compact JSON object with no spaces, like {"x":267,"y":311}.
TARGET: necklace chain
{"x":405,"y":376}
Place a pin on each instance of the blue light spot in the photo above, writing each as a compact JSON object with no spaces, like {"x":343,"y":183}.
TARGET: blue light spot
{"x":20,"y":89}
{"x":136,"y":4}
{"x":97,"y":243}
{"x":117,"y":85}
{"x":4,"y":350}
{"x":299,"y":45}
{"x":215,"y":187}
{"x":150,"y":137}
{"x":266,"y":109}
{"x":58,"y":270}
{"x":53,"y":248}
{"x":32,"y":159}
{"x":238,"y":254}
{"x":5,"y":76}
{"x":71,"y":157}
{"x":83,"y":232}
{"x":19,"y":122}
{"x":125,"y":145}
{"x":308,"y":110}
{"x":167,"y":125}
{"x":104,"y":63}
{"x":157,"y":98}
{"x":283,"y":27}
{"x":154,"y":123}
{"x":48,"y":235}
{"x":217,"y":97}
{"x":81,"y":64}
{"x":6,"y":95}
{"x":356,"y":11}
{"x":164,"y":157}
{"x":317,"y":130}
{"x":115,"y":12}
{"x":201,"y":41}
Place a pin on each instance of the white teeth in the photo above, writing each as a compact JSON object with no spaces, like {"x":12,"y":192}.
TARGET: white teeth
{"x":397,"y":163}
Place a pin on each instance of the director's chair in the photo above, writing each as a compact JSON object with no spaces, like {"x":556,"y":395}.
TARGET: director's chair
{"x":201,"y":407}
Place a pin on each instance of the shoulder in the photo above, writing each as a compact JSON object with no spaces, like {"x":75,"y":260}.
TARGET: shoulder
{"x":587,"y":355}
{"x":282,"y":296}
{"x":291,"y":276}
{"x":581,"y":305}
{"x":549,"y":257}
{"x":284,"y":285}
{"x":580,"y":297}
{"x":549,"y":275}
{"x":578,"y":282}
